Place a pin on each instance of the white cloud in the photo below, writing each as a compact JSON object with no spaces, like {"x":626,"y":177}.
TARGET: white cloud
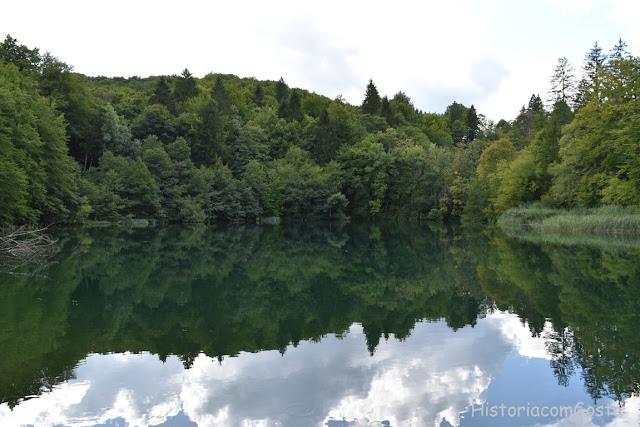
{"x":625,"y":13}
{"x":575,"y":7}
{"x":492,"y":55}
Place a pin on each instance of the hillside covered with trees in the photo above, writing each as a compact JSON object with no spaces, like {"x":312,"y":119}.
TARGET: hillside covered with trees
{"x":75,"y":148}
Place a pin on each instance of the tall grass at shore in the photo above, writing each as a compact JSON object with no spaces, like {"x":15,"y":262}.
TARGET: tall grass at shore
{"x":604,"y":219}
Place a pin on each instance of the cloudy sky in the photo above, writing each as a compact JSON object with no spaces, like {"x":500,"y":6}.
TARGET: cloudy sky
{"x":493,"y":54}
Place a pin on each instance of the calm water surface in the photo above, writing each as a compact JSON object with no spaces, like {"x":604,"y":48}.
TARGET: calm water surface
{"x":324,"y":325}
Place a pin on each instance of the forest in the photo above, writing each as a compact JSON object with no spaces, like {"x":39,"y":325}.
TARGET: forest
{"x":76,"y":149}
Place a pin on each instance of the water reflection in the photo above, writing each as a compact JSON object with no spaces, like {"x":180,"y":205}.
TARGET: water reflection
{"x":365,"y":324}
{"x":434,"y":374}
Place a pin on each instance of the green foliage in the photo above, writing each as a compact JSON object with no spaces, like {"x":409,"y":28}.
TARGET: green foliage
{"x":118,"y":188}
{"x":435,"y":127}
{"x":415,"y":181}
{"x":367,"y":167}
{"x":297,"y":187}
{"x":598,"y":151}
{"x":386,"y":157}
{"x":456,"y":116}
{"x":185,"y":87}
{"x":162,"y":94}
{"x":38,"y":176}
{"x":372,"y":101}
{"x":154,"y":120}
{"x":21,"y":56}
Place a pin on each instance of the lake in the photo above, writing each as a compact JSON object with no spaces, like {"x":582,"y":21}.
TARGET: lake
{"x":322,"y":325}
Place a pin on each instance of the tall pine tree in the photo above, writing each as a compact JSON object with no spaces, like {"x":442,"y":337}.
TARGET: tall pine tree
{"x":562,"y":84}
{"x":593,"y":69}
{"x":372,"y":101}
{"x":185,"y":87}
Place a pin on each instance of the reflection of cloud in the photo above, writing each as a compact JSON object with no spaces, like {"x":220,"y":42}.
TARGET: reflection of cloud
{"x":434,"y":375}
{"x":524,"y":344}
{"x":627,"y":415}
{"x":436,"y":378}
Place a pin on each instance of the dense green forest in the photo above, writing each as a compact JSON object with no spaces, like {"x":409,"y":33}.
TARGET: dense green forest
{"x":75,"y":148}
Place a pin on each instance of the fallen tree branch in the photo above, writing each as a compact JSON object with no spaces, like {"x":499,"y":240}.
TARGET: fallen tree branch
{"x":26,"y":247}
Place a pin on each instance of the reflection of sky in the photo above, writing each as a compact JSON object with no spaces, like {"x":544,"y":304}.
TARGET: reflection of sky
{"x":435,"y":375}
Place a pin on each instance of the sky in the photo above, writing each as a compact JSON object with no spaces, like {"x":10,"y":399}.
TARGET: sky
{"x":493,"y":54}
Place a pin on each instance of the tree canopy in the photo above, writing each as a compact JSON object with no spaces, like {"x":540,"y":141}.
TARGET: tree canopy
{"x":223,"y":148}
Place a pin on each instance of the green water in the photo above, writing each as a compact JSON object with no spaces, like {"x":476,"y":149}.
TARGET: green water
{"x":399,"y":324}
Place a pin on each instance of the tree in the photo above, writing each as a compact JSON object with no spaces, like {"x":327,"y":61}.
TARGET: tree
{"x":258,"y":95}
{"x":473,"y":124}
{"x":294,"y":107}
{"x":221,"y":96}
{"x":324,"y":141}
{"x":562,"y":85}
{"x":155,"y":120}
{"x":185,"y":87}
{"x":244,"y":143}
{"x":414,"y":185}
{"x":619,"y":51}
{"x":579,"y":99}
{"x":140,"y":190}
{"x":162,"y":94}
{"x":37,"y":175}
{"x":208,"y":141}
{"x":20,"y":55}
{"x":435,"y":127}
{"x":456,"y":115}
{"x":372,"y":101}
{"x":366,"y":165}
{"x":73,"y":98}
{"x":530,"y":121}
{"x":385,"y":110}
{"x":598,"y":155}
{"x":282,"y":90}
{"x":617,"y":76}
{"x":593,"y":68}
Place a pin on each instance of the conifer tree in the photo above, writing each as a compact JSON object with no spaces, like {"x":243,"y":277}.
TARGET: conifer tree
{"x":619,"y":51}
{"x":562,"y":84}
{"x":372,"y":101}
{"x":162,"y":94}
{"x":221,"y":96}
{"x":281,"y":90}
{"x":593,"y":69}
{"x":473,"y":124}
{"x":185,"y":87}
{"x":385,"y":109}
{"x":579,"y":97}
{"x":258,"y":95}
{"x":294,"y":108}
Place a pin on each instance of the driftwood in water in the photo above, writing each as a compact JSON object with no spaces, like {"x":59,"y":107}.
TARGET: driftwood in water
{"x":25,"y":247}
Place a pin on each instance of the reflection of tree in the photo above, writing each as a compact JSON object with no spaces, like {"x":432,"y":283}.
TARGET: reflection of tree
{"x":223,"y":290}
{"x":590,"y":295}
{"x":561,"y":347}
